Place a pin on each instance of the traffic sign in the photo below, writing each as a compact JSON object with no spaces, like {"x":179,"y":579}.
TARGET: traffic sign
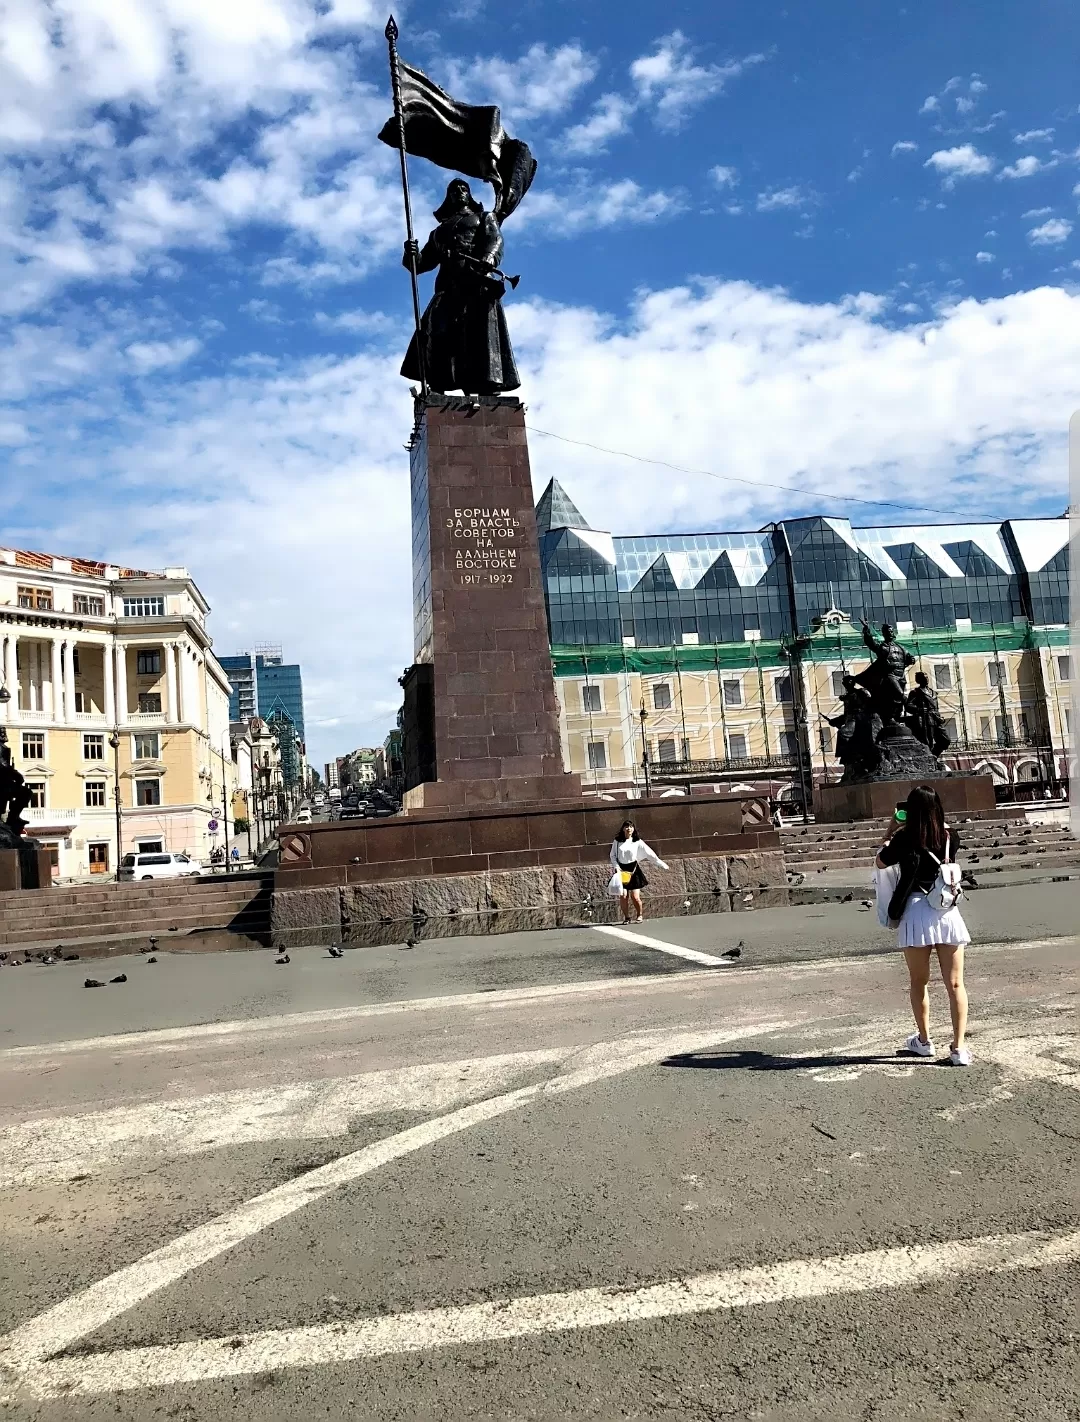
{"x":212,"y":826}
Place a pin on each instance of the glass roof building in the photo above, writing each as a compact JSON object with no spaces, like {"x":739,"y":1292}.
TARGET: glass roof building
{"x":778,"y":582}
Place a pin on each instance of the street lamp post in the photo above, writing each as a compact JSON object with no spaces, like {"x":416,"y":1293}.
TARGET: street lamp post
{"x":114,"y":742}
{"x":645,"y":748}
{"x":224,"y":807}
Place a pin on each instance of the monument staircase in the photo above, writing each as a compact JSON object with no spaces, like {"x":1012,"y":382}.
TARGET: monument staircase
{"x":96,"y":920}
{"x":996,"y":847}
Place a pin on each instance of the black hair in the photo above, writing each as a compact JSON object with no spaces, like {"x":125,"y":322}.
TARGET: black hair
{"x":926,"y":820}
{"x":628,"y":824}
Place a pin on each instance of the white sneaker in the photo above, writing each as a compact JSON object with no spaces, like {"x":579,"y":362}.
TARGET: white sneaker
{"x":959,"y":1056}
{"x":917,"y":1047}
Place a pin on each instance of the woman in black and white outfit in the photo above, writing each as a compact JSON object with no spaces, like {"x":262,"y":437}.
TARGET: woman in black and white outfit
{"x":919,"y":843}
{"x":627,"y":852}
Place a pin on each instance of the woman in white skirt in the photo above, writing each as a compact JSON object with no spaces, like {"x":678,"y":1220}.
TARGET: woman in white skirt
{"x":628,"y":849}
{"x":919,"y":842}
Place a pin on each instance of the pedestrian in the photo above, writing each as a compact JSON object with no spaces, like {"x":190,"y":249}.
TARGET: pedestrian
{"x":628,"y":849}
{"x":920,"y":842}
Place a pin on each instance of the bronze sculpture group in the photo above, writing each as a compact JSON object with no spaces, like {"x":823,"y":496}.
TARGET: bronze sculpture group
{"x":14,"y":796}
{"x":887,"y":732}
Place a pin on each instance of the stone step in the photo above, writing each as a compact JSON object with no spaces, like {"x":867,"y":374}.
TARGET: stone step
{"x":155,"y":889}
{"x":14,"y":916}
{"x":252,"y":923}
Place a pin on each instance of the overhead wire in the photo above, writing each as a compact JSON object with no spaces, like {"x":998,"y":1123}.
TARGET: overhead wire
{"x":753,"y":483}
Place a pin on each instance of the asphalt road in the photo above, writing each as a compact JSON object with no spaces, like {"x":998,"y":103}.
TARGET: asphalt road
{"x":575,"y":1177}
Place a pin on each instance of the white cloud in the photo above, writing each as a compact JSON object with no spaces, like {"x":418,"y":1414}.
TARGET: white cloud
{"x":904,"y":145}
{"x":541,"y":82}
{"x":1051,"y":233}
{"x":672,"y":81}
{"x":930,"y":105}
{"x":1033,"y":212}
{"x":977,"y":86}
{"x":1026,"y":167}
{"x":587,"y":207}
{"x":610,"y":117}
{"x":1035,"y":135}
{"x":777,"y":199}
{"x":724,"y":177}
{"x":855,"y":174}
{"x":146,"y":356}
{"x":985,"y":257}
{"x":965,"y":106}
{"x":964,"y":161}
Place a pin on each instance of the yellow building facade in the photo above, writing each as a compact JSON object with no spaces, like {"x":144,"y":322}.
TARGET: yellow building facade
{"x":115,"y":700}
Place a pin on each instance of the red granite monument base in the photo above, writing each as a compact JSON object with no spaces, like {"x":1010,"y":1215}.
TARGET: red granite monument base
{"x":959,"y":793}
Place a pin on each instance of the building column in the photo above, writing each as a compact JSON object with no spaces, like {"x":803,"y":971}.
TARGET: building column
{"x":172,"y":711}
{"x":107,"y":680}
{"x":56,"y":682}
{"x":69,"y":683}
{"x":11,"y":679}
{"x":121,"y":684}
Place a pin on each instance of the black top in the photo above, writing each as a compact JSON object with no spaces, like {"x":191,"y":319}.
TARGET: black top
{"x":918,"y":868}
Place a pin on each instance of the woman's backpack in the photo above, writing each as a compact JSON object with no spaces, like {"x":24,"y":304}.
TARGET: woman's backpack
{"x":946,"y":890}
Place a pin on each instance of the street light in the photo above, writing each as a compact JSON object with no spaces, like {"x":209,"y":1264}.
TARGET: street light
{"x":114,"y":742}
{"x":225,"y":804}
{"x":644,"y":748}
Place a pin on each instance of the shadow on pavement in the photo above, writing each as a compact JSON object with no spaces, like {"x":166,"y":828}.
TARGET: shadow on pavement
{"x":766,"y":1061}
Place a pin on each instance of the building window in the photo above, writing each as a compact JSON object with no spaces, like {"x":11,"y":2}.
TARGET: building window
{"x":95,"y":794}
{"x":150,"y":701}
{"x":782,"y":689}
{"x":951,"y":729}
{"x":75,"y":667}
{"x":943,"y":676}
{"x":150,"y":846}
{"x":81,"y":702}
{"x":144,"y":607}
{"x":825,"y":737}
{"x":37,"y":794}
{"x":597,"y":755}
{"x":736,"y":745}
{"x":146,"y":745}
{"x":996,"y":672}
{"x":666,"y":751}
{"x":590,"y":698}
{"x":93,"y":747}
{"x":838,"y":683}
{"x":33,"y":745}
{"x":984,"y":728}
{"x":1003,"y":730}
{"x":661,"y":698}
{"x":789,"y":743}
{"x":732,"y":691}
{"x":89,"y":606}
{"x":38,"y":598}
{"x":99,"y":858}
{"x":148,"y":792}
{"x":1064,"y":666}
{"x":148,"y":663}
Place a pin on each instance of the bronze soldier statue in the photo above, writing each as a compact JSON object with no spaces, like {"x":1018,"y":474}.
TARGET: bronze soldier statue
{"x":14,"y":791}
{"x":856,"y":748}
{"x":924,"y":718}
{"x":886,"y":676}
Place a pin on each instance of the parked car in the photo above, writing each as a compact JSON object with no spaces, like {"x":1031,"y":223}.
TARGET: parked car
{"x":159,"y":866}
{"x":303,"y":817}
{"x":380,"y":806}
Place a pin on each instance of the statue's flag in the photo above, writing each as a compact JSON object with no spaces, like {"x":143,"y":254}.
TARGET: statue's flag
{"x":466,"y":138}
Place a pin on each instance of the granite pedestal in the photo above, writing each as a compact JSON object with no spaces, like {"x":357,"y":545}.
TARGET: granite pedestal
{"x":958,"y":793}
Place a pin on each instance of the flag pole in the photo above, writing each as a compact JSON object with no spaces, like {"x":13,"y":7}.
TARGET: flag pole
{"x":391,"y":33}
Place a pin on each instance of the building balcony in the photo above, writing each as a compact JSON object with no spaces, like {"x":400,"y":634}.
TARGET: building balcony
{"x":90,"y":718}
{"x":51,"y":817}
{"x":146,"y":718}
{"x":33,"y":718}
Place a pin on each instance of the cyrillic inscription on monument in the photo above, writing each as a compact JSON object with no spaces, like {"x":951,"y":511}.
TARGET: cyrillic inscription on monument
{"x":485,"y":548}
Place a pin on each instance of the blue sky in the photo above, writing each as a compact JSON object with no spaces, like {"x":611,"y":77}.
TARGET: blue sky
{"x":828,"y":245}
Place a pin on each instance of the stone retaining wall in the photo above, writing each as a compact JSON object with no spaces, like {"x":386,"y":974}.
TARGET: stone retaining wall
{"x":505,"y":898}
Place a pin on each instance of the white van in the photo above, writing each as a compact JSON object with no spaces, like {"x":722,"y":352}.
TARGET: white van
{"x":158,"y":866}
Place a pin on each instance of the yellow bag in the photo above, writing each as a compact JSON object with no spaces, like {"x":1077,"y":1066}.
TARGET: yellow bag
{"x":626,"y":875}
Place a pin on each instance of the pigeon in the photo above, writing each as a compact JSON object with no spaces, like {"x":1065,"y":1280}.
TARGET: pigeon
{"x":847,"y":898}
{"x":974,"y":858}
{"x":283,"y":958}
{"x":120,"y":978}
{"x":71,"y":957}
{"x":47,"y":960}
{"x":335,"y":952}
{"x":151,"y":960}
{"x":686,"y":903}
{"x":410,"y":943}
{"x":93,"y":982}
{"x":172,"y":928}
{"x":969,"y":880}
{"x":732,"y":952}
{"x":867,"y":903}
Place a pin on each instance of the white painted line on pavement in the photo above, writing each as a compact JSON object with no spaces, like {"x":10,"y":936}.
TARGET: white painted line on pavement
{"x":64,"y":1324}
{"x":57,"y":1147}
{"x":676,"y":950}
{"x":177,"y":1038}
{"x":785,"y":1281}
